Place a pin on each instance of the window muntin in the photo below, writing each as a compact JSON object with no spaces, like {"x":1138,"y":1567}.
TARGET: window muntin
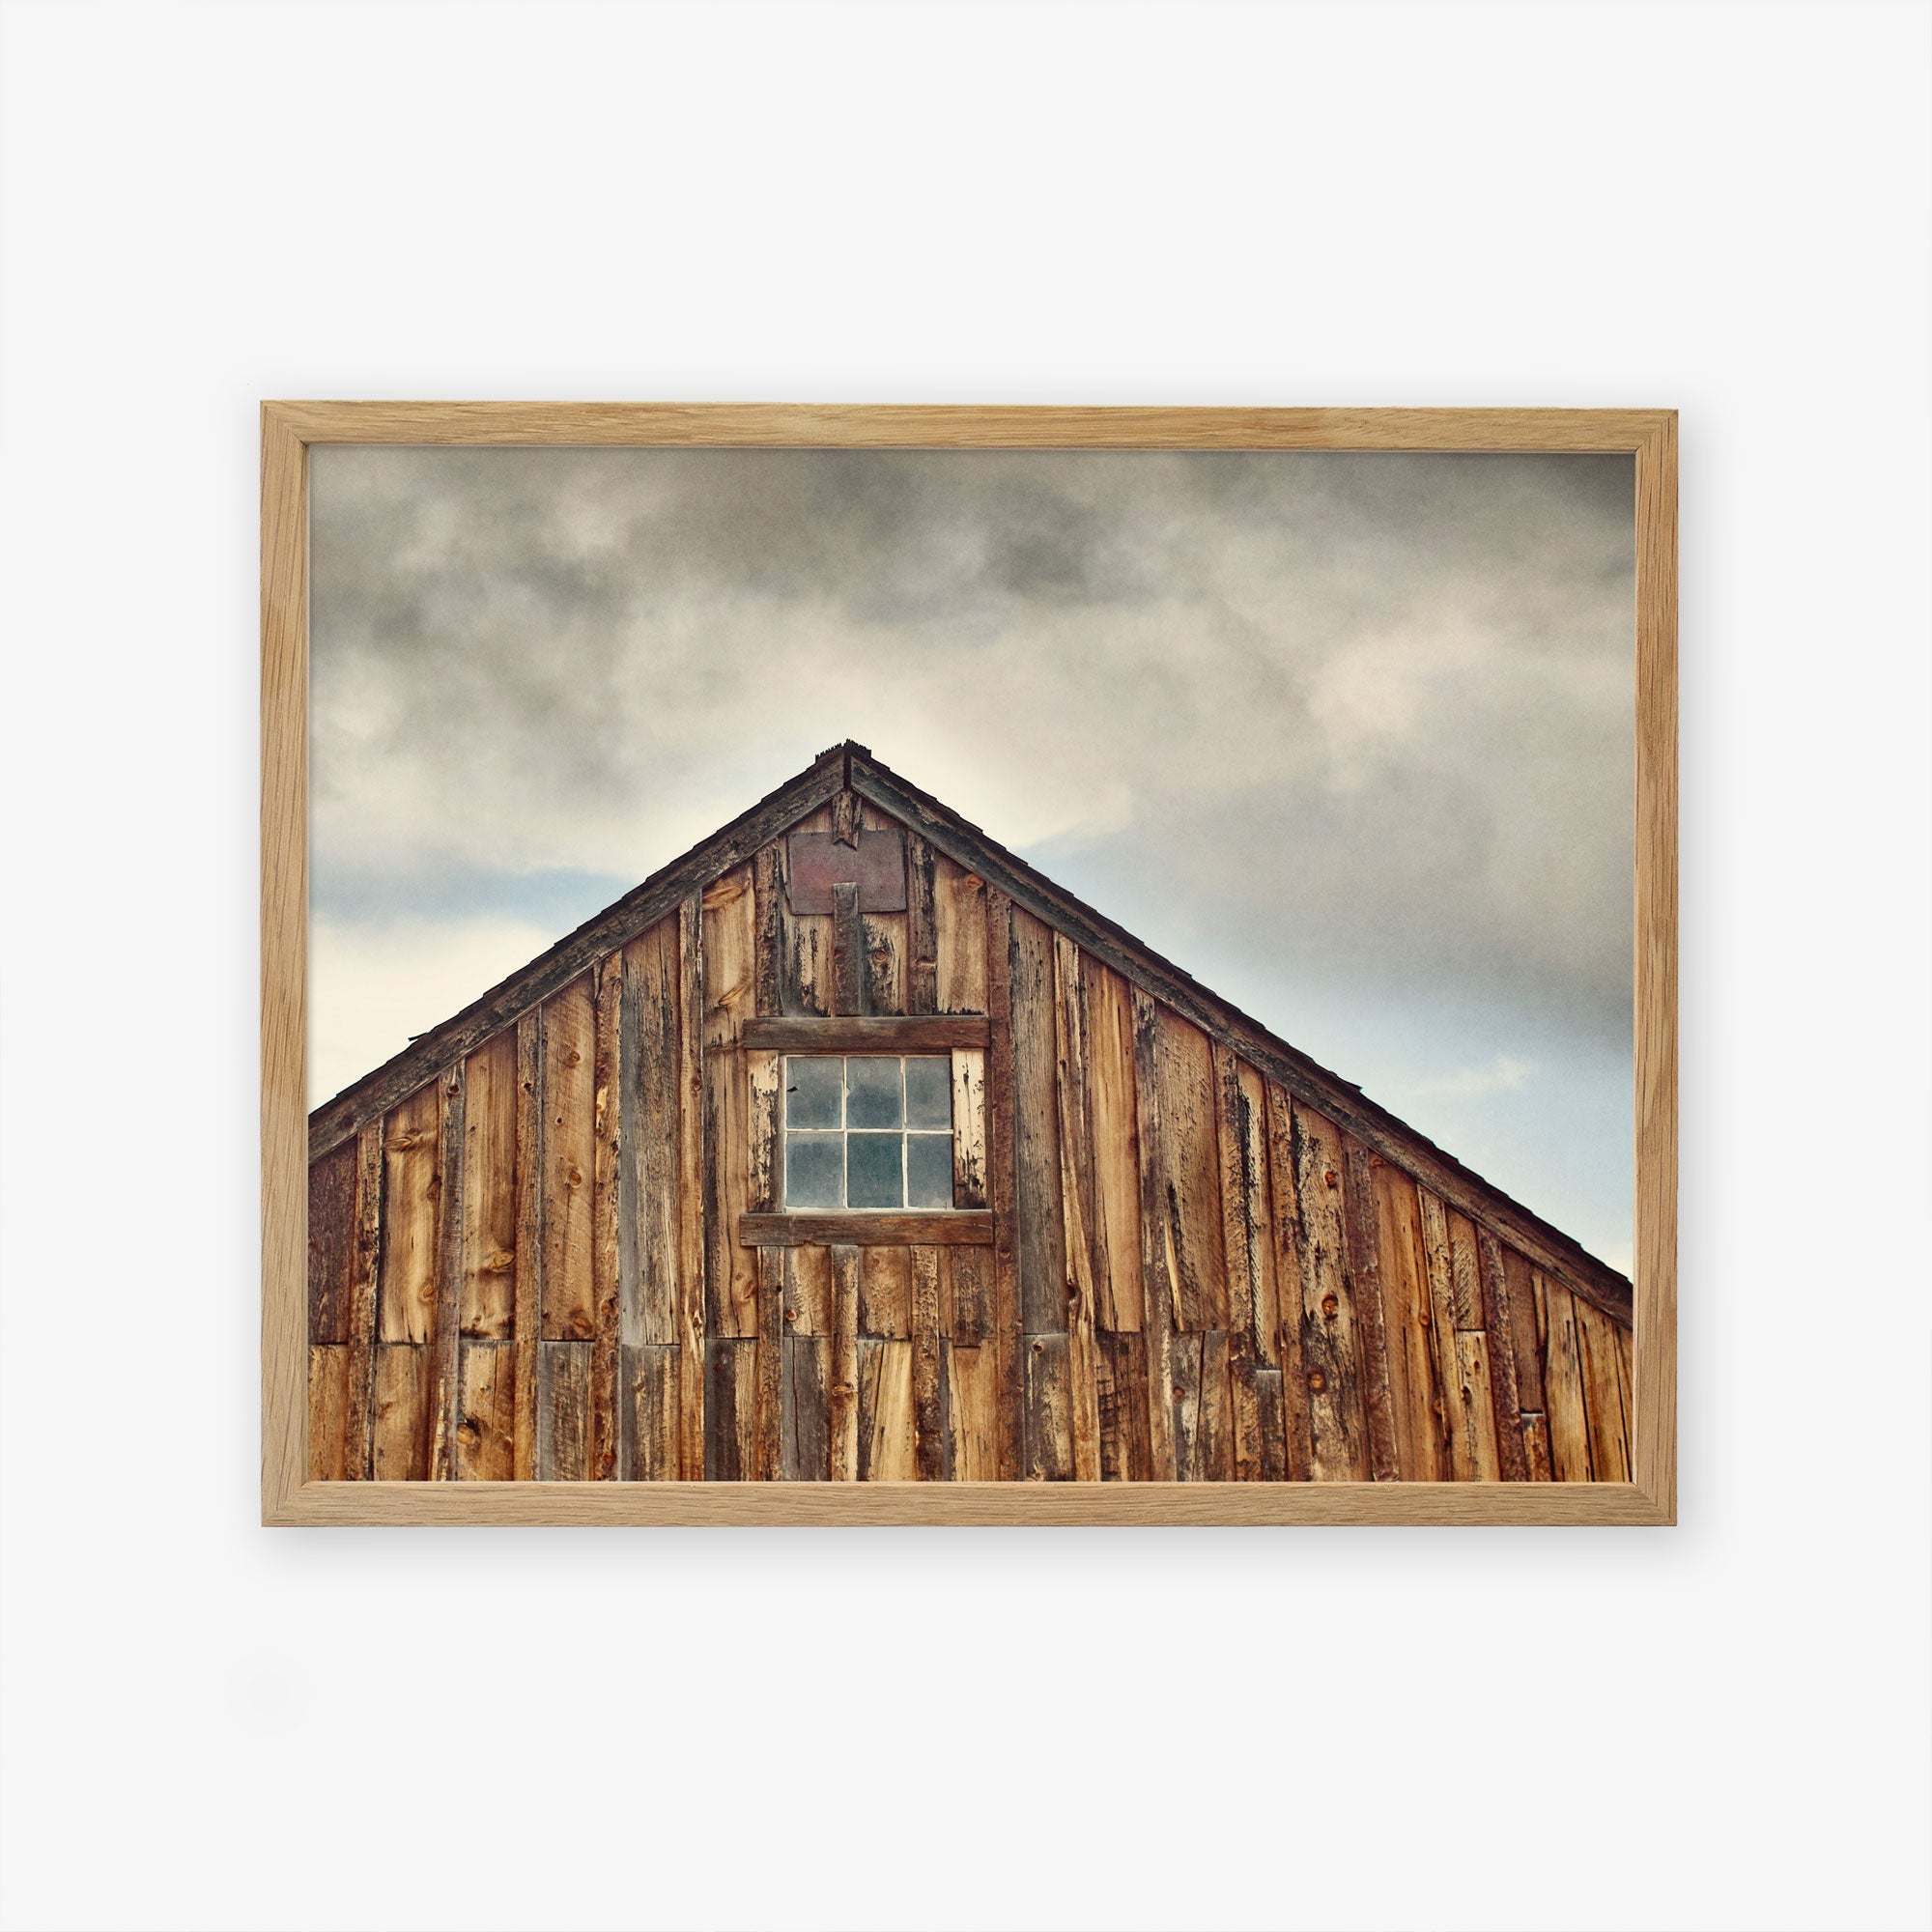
{"x":868,"y":1131}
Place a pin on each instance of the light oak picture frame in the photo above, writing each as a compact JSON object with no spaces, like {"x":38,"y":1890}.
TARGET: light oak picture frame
{"x":290,"y":430}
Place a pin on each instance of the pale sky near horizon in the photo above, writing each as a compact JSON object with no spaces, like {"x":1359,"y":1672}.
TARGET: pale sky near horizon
{"x":1346,"y":736}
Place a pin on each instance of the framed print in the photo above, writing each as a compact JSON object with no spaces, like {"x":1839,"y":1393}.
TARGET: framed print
{"x":870,"y":965}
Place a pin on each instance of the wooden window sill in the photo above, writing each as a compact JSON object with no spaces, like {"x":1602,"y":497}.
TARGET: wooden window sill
{"x":881,"y":1033}
{"x":959,"y":1226}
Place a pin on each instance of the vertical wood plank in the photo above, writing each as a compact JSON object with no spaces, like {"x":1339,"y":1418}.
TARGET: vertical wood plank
{"x":1627,"y":1384}
{"x":486,"y":1423}
{"x":1339,"y":1449}
{"x":1285,"y":1235}
{"x":929,"y":1390}
{"x":1188,"y":1163}
{"x":443,"y":1341}
{"x":1157,"y":1305}
{"x":1049,"y":1421}
{"x":972,"y":1388}
{"x":731,"y":1274}
{"x":690,"y":1264}
{"x":886,"y":935}
{"x":650,"y":1391}
{"x":1536,"y":1447}
{"x":765,"y":1156}
{"x":1240,"y":1226}
{"x":807,"y":962}
{"x":805,"y":1447}
{"x":768,"y":895}
{"x":1248,"y":1453}
{"x":885,"y":1293}
{"x":328,"y":1411}
{"x":767,"y":1418}
{"x":564,"y":1411}
{"x":848,"y":952}
{"x":1598,"y":1354}
{"x":1001,"y":1181}
{"x":331,"y":1243}
{"x":569,"y":1310}
{"x":968,"y":1127}
{"x":1465,"y":1280}
{"x":730,"y":1410}
{"x":843,"y":1398}
{"x":1189,"y":1466}
{"x":847,"y":816}
{"x":1041,"y":1231}
{"x":1254,"y":1312}
{"x":1541,"y":1316}
{"x":1255,"y":1402}
{"x":1215,"y":1447}
{"x":970,"y":1304}
{"x":488,"y":1310}
{"x":528,"y":1275}
{"x":1363,"y":1264}
{"x":887,"y":1451}
{"x":1126,"y":1452}
{"x":1116,"y":1183}
{"x":1072,"y":1075}
{"x":1527,"y":1344}
{"x":399,"y":1414}
{"x":922,"y":928}
{"x":959,"y":917}
{"x":411,"y":1148}
{"x":652,"y":976}
{"x":1421,"y":1413}
{"x":1563,"y":1390}
{"x":606,"y":1222}
{"x":1445,"y":1356}
{"x":1478,"y":1460}
{"x":808,"y":1290}
{"x":1498,"y":1329}
{"x":358,"y":1392}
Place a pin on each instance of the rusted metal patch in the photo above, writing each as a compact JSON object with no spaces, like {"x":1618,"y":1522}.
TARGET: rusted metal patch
{"x":876,"y":866}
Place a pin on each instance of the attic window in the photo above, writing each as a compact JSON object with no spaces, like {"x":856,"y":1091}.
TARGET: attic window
{"x":868,"y":1131}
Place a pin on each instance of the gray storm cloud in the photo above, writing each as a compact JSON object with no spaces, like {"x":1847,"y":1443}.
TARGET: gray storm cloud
{"x":1353,"y":730}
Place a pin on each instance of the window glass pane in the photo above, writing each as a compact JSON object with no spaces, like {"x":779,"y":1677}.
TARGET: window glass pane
{"x":928,"y":1169}
{"x":814,"y":1170}
{"x":812,"y":1089}
{"x":929,"y":1093}
{"x":872,"y":1091}
{"x":873,"y":1177}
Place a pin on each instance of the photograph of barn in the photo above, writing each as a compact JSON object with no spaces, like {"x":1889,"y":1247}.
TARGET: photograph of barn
{"x":849,"y":1147}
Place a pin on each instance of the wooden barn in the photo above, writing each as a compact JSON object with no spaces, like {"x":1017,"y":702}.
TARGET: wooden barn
{"x":848,"y":1148}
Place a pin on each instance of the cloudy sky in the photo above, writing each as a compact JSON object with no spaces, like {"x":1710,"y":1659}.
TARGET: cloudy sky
{"x":1346,"y":736}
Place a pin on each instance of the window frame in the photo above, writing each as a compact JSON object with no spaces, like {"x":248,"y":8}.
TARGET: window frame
{"x":904,"y":1132}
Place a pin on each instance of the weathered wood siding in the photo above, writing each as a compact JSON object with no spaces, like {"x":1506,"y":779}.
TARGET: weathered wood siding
{"x":530,"y":1267}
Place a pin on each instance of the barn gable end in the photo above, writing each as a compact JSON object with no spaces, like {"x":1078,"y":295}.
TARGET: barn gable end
{"x":550,"y":1242}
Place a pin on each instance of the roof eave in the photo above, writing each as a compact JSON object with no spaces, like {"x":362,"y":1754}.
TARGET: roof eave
{"x":1383,"y":1132}
{"x":429,"y":1053}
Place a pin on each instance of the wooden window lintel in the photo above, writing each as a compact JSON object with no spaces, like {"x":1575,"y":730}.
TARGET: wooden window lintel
{"x":878,"y":1033}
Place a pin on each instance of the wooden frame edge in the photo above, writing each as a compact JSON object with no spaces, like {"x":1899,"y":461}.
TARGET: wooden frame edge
{"x":290,"y":427}
{"x":1607,"y":432}
{"x":284,"y":980}
{"x":1654,"y":1113}
{"x":987,"y":1505}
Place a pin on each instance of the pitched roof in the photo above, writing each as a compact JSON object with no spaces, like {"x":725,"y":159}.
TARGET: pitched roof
{"x":852,"y":766}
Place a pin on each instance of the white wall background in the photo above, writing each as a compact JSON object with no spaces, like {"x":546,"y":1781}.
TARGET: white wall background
{"x":209,"y":1726}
